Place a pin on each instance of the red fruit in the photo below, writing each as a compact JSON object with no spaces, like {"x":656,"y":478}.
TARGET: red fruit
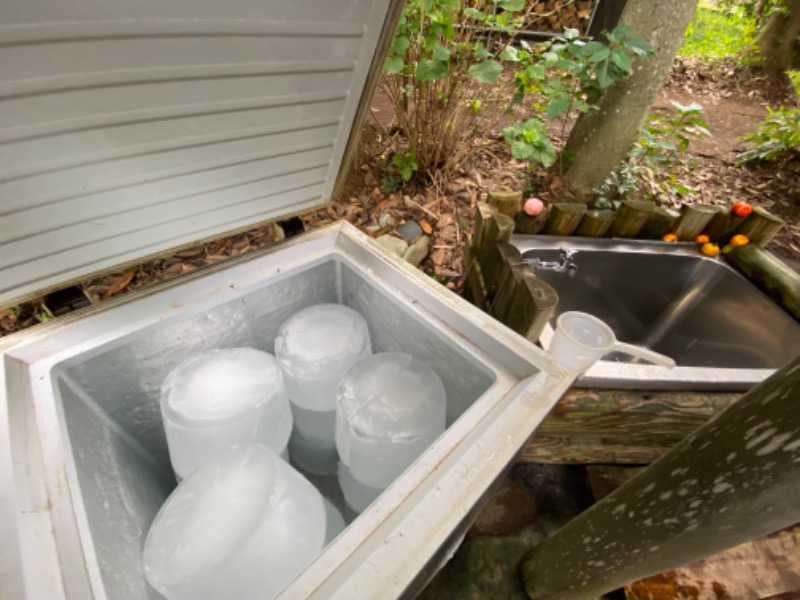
{"x":741,"y":209}
{"x":533,"y":206}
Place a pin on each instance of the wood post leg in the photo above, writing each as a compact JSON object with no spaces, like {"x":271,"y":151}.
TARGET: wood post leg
{"x":734,"y":479}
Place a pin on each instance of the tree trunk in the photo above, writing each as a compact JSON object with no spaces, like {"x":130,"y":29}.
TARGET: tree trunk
{"x":601,"y":138}
{"x":732,"y":480}
{"x":776,"y":40}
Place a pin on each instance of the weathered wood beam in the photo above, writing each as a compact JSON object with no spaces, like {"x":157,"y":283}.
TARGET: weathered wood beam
{"x":661,"y":222}
{"x":507,"y":203}
{"x":531,"y":225}
{"x":694,"y":219}
{"x":620,"y":426}
{"x":770,"y":274}
{"x":564,"y":218}
{"x":631,"y":217}
{"x":732,"y":480}
{"x":760,"y":226}
{"x":595,"y":223}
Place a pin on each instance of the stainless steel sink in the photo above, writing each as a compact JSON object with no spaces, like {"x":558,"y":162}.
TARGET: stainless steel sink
{"x":721,"y":330}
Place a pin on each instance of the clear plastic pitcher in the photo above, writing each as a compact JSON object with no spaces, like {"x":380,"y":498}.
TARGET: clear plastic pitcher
{"x":582,"y":339}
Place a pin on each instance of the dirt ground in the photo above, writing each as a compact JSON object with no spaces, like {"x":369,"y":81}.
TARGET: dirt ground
{"x":734,"y":101}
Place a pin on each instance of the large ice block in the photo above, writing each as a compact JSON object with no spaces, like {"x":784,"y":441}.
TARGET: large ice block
{"x":241,"y":526}
{"x":390,"y":408}
{"x":222,"y":398}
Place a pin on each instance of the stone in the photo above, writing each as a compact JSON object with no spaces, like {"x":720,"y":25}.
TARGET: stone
{"x":385,"y":220}
{"x":507,"y":511}
{"x":410,"y":230}
{"x":417,"y":251}
{"x":486,"y":567}
{"x":393,"y":244}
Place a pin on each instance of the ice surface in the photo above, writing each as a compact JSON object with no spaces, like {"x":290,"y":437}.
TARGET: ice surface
{"x":241,"y":526}
{"x":313,"y":456}
{"x":357,"y":495}
{"x":315,"y":347}
{"x":219,"y":399}
{"x":390,"y":408}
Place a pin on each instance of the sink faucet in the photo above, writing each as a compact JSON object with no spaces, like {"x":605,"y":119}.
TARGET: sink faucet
{"x":563,"y":264}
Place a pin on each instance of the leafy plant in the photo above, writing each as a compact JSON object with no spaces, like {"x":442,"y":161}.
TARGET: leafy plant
{"x":718,"y":32}
{"x":567,"y":73}
{"x":778,"y":136}
{"x":450,"y":58}
{"x":406,"y":164}
{"x":648,"y":170}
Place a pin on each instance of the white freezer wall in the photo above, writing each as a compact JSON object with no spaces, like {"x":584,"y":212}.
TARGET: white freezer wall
{"x":128,"y":128}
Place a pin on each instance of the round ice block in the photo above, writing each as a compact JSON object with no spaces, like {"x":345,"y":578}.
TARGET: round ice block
{"x":315,"y":347}
{"x":222,"y":398}
{"x":390,"y":408}
{"x":357,"y":495}
{"x":241,"y":526}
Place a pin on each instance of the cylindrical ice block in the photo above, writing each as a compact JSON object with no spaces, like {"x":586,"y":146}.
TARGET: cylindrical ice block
{"x":241,"y":526}
{"x":223,"y":398}
{"x":390,"y":408}
{"x":315,"y":347}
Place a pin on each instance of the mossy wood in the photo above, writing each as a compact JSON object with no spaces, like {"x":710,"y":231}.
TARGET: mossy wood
{"x":510,"y":257}
{"x":631,"y":217}
{"x":694,"y":219}
{"x":733,"y":480}
{"x":661,"y":222}
{"x":770,"y":274}
{"x":721,"y":227}
{"x":474,"y":288}
{"x":507,"y":203}
{"x":496,"y":229}
{"x":531,"y":225}
{"x":760,"y":226}
{"x":564,"y":219}
{"x":595,"y":223}
{"x":620,"y":426}
{"x":531,"y":303}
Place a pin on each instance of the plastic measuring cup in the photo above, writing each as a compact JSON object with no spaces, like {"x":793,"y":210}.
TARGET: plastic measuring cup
{"x":582,"y":339}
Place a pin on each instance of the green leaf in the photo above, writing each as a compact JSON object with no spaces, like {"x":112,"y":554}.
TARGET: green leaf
{"x":600,"y":55}
{"x":620,"y":32}
{"x":441,"y":53}
{"x":550,"y":59}
{"x":480,"y":52}
{"x":546,"y":155}
{"x":510,"y":54}
{"x":558,"y":107}
{"x":521,"y":150}
{"x":393,"y":64}
{"x":450,"y":4}
{"x":400,"y":44}
{"x":591,"y":48}
{"x":430,"y":70}
{"x":639,"y":46}
{"x":474,"y":13}
{"x":622,"y":59}
{"x":603,"y":78}
{"x":512,"y":5}
{"x":486,"y":72}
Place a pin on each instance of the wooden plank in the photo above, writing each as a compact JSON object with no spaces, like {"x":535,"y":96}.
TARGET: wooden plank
{"x":531,"y":303}
{"x":604,"y":479}
{"x":595,"y":223}
{"x":661,"y":222}
{"x":770,"y":274}
{"x":631,"y":217}
{"x":760,"y":226}
{"x":694,"y":219}
{"x":531,"y":225}
{"x":507,"y":203}
{"x":721,"y":227}
{"x":620,"y":426}
{"x":564,"y":218}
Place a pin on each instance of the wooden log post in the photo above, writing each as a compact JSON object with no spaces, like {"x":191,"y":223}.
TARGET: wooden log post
{"x":531,"y":225}
{"x":491,"y":228}
{"x":733,"y":480}
{"x":631,"y":217}
{"x":770,"y":274}
{"x":564,"y":218}
{"x":760,"y":226}
{"x":661,"y":222}
{"x":624,"y":427}
{"x":531,"y":304}
{"x":722,"y":225}
{"x":595,"y":223}
{"x":694,"y":219}
{"x":507,"y":203}
{"x":500,"y":303}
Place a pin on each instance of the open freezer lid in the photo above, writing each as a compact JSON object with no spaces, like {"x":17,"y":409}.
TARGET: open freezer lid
{"x":130,"y":128}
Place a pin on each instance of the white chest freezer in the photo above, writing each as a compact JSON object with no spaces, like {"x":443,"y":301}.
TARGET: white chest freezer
{"x":127,"y":129}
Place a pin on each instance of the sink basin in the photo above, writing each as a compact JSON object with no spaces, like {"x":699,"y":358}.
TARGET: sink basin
{"x":721,"y":330}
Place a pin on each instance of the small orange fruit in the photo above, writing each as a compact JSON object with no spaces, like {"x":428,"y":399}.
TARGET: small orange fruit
{"x":670,"y":237}
{"x":701,"y":239}
{"x":709,"y":249}
{"x":739,"y":240}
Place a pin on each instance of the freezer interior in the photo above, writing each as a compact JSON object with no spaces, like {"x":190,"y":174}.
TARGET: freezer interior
{"x":109,"y":396}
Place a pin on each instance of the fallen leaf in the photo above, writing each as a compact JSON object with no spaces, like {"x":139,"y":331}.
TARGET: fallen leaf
{"x":426,"y":227}
{"x":122,"y":282}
